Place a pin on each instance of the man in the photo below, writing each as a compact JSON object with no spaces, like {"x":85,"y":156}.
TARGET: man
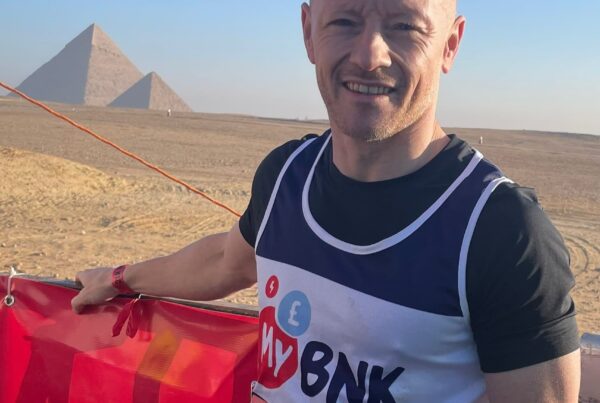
{"x":393,"y":262}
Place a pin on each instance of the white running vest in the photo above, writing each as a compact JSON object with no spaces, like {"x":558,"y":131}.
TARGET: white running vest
{"x":387,"y":322}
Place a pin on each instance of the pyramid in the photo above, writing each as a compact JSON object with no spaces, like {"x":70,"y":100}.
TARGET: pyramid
{"x":90,"y":70}
{"x":151,"y":92}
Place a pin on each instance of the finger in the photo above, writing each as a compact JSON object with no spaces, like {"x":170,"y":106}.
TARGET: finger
{"x":79,"y":302}
{"x":76,"y":305}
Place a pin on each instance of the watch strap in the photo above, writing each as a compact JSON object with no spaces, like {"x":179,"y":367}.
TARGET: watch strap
{"x":118,"y":280}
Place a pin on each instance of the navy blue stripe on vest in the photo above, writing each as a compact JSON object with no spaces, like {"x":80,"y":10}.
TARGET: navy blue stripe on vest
{"x":419,"y":272}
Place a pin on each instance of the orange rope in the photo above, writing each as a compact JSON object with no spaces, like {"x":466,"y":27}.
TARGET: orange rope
{"x":120,"y":149}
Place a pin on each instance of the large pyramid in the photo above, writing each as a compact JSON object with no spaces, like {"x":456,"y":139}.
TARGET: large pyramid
{"x":151,"y":92}
{"x":90,"y":70}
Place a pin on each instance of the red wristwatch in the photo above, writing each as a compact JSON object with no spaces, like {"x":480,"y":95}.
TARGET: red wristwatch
{"x":118,"y":280}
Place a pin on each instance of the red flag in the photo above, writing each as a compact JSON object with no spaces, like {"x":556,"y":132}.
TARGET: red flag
{"x":177,"y":353}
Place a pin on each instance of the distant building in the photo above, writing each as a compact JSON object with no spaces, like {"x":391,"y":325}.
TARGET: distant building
{"x":151,"y":92}
{"x":92,"y":70}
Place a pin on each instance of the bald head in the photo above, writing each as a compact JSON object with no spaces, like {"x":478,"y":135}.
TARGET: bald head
{"x":448,"y":5}
{"x":443,"y":12}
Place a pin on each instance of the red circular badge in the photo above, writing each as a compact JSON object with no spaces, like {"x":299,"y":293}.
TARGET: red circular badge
{"x":272,"y":286}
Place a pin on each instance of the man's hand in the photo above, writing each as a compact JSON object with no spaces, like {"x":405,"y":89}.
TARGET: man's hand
{"x":97,"y":288}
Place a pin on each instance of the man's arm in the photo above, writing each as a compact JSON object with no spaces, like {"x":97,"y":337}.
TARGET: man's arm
{"x":552,"y":381}
{"x":211,"y":268}
{"x":522,"y":316}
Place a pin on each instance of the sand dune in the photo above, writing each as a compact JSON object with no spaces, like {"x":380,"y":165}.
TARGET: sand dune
{"x":68,"y":202}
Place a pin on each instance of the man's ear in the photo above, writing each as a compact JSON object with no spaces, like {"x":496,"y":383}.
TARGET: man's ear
{"x":307,"y":31}
{"x":453,"y":43}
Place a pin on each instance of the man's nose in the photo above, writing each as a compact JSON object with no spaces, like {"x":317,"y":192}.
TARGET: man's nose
{"x":371,"y":51}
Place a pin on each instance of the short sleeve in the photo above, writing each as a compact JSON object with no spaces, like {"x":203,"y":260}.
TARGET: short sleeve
{"x":518,"y":284}
{"x":262,"y":186}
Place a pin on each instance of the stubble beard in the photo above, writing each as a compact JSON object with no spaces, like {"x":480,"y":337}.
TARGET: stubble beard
{"x":375,"y":128}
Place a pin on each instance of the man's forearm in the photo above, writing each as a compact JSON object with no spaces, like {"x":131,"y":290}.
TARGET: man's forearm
{"x":554,"y":381}
{"x":210,"y":268}
{"x":195,"y":272}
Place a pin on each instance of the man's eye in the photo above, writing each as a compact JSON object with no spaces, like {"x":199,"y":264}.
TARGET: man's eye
{"x":404,"y":27}
{"x":343,"y":22}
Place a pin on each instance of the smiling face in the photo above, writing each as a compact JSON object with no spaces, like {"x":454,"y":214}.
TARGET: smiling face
{"x":378,"y":62}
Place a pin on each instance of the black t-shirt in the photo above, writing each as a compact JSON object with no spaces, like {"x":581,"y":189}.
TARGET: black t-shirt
{"x":518,"y":277}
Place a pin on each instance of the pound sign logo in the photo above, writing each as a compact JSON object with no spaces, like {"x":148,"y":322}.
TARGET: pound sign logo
{"x":294,"y":313}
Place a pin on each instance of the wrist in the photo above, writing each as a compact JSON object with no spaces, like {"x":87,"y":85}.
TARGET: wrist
{"x":118,"y":280}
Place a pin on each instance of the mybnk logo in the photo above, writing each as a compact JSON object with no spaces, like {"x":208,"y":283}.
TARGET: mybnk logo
{"x":315,"y":377}
{"x":279,"y":329}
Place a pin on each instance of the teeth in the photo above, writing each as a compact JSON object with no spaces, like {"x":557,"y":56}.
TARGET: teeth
{"x":367,"y":90}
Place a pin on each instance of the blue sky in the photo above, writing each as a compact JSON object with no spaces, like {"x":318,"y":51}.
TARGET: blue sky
{"x":524,"y":64}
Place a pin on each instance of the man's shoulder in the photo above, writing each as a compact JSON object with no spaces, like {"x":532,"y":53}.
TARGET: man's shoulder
{"x":263,"y":185}
{"x":515,"y":203}
{"x":275,"y":160}
{"x":513,"y":214}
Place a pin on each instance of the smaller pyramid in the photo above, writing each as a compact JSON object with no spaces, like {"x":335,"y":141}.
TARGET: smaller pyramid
{"x":151,"y":92}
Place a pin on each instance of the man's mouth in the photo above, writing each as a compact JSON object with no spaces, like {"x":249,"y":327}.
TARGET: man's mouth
{"x":368,"y":89}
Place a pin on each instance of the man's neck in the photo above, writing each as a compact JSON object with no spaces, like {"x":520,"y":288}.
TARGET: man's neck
{"x":403,"y":153}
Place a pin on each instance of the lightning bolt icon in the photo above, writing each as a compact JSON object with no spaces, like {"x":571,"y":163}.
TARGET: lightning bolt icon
{"x":272,"y":286}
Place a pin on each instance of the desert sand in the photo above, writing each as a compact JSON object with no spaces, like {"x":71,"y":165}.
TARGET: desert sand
{"x":68,"y":202}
